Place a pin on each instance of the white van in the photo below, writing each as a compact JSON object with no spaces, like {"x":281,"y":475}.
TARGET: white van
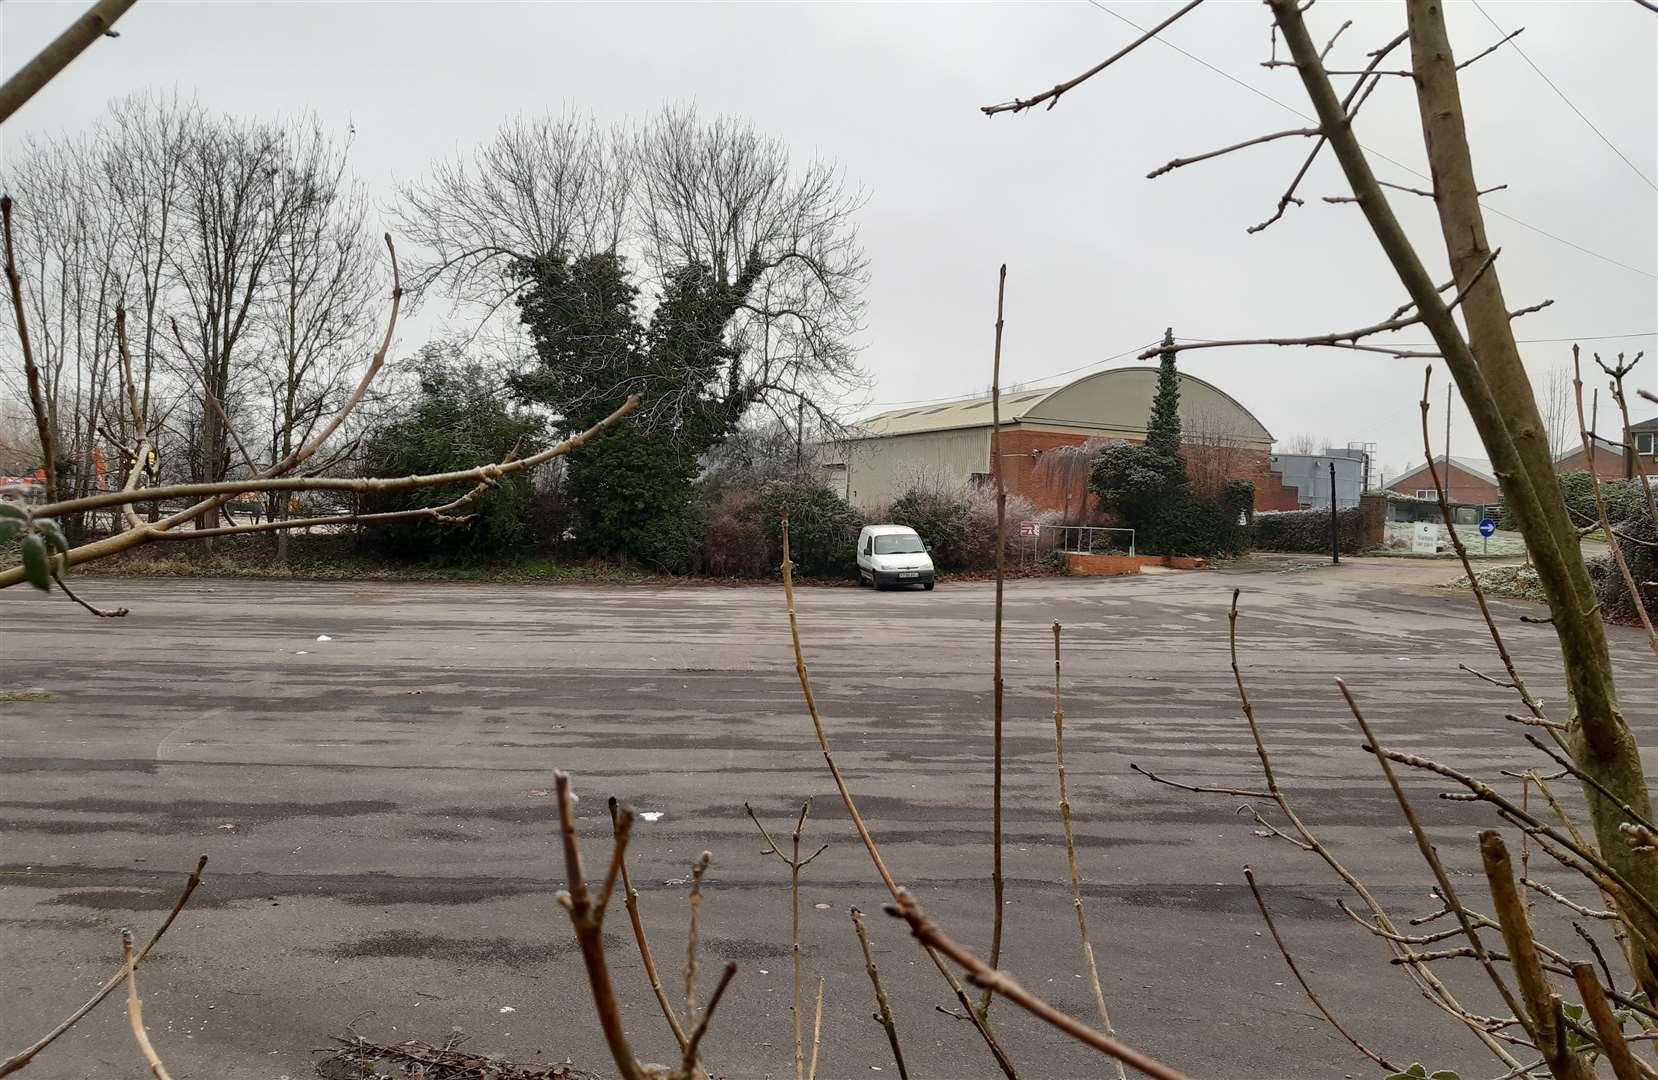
{"x":891,"y":555}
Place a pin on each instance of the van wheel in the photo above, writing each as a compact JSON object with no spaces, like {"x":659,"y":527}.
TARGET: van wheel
{"x":928,"y":586}
{"x":879,"y":587}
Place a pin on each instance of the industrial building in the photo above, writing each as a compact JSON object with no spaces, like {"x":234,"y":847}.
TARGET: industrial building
{"x":1310,"y":475}
{"x":948,"y":443}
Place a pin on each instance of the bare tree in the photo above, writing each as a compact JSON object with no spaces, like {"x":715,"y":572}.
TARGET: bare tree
{"x":71,"y":245}
{"x":1559,"y":409}
{"x":704,"y":208}
{"x":1304,"y":443}
{"x":554,"y":183}
{"x":145,"y":139}
{"x":718,"y":194}
{"x":318,"y":318}
{"x":1215,"y":453}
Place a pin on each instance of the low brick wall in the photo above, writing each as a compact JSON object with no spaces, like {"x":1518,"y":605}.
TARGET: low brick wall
{"x":1080,"y":564}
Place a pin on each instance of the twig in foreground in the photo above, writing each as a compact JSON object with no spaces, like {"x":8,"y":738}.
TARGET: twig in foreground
{"x":980,"y":974}
{"x":1052,"y":96}
{"x":1544,"y":1020}
{"x":630,"y":899}
{"x":1071,"y":858}
{"x":1260,"y":902}
{"x":795,"y":865}
{"x":698,"y":869}
{"x":1606,"y":1025}
{"x":1431,"y":857}
{"x":688,"y":1059}
{"x":817,"y":1030}
{"x":102,"y":613}
{"x":26,"y":1055}
{"x":881,"y":1003}
{"x":135,"y":1010}
{"x":980,"y":1024}
{"x":997,"y":881}
{"x":587,"y":920}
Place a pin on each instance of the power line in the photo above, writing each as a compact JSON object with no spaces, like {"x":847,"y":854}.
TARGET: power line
{"x":1517,"y":341}
{"x":1562,"y":95}
{"x":1376,"y":153}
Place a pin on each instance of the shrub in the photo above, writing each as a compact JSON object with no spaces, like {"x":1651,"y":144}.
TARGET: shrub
{"x":1615,"y":599}
{"x":959,"y":525}
{"x":979,"y":551}
{"x":1622,"y":497}
{"x":734,"y":543}
{"x":940,"y":518}
{"x":1308,"y":530}
{"x":634,"y":500}
{"x":456,"y":419}
{"x":823,"y":529}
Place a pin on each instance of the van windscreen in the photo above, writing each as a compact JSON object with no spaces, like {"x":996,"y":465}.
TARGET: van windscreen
{"x":899,"y":544}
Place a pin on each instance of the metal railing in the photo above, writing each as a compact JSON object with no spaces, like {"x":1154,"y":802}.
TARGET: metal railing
{"x":1071,"y":539}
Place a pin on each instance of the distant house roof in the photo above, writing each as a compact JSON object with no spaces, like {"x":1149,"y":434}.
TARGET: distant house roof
{"x":1575,"y":446}
{"x":1649,"y":424}
{"x":1478,"y":467}
{"x":1115,"y":399}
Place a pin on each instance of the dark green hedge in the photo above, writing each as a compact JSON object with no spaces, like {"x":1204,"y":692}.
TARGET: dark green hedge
{"x":1308,"y":530}
{"x":1615,"y":599}
{"x":1623,"y":498}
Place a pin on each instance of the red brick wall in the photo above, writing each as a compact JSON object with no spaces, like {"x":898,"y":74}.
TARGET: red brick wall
{"x":1026,"y":477}
{"x":1609,"y":464}
{"x":1460,"y":486}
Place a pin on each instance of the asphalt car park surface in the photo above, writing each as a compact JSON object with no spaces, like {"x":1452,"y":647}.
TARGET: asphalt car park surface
{"x":369,"y":768}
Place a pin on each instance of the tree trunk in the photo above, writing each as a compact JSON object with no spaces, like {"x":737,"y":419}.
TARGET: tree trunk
{"x":1601,"y":743}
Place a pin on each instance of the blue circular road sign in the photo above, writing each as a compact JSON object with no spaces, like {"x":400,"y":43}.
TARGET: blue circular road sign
{"x":1487,"y":527}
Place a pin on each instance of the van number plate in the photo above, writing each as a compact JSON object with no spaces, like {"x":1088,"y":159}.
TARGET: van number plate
{"x":909,"y":573}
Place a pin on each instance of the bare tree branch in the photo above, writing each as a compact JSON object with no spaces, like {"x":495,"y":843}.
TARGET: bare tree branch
{"x":135,"y":1010}
{"x":908,"y":909}
{"x":1346,"y":104}
{"x":980,"y":1024}
{"x":18,"y":1060}
{"x":884,"y":1015}
{"x":1289,"y":133}
{"x":28,"y":80}
{"x":1052,"y":96}
{"x":1260,"y":902}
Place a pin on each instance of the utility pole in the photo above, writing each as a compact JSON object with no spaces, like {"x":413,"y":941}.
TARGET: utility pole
{"x":1450,"y":385}
{"x":1335,"y":521}
{"x":799,"y":438}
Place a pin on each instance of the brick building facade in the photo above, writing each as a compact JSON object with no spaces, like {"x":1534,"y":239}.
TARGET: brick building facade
{"x":1467,"y":481}
{"x":1048,"y":438}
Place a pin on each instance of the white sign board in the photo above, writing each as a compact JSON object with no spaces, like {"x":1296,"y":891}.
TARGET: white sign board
{"x":1424,"y":538}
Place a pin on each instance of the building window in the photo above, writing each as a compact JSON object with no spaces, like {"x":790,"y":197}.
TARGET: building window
{"x":1426,"y":493}
{"x":1644,"y":443}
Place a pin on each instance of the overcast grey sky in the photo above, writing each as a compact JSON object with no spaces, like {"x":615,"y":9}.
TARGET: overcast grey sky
{"x":1100,"y":259}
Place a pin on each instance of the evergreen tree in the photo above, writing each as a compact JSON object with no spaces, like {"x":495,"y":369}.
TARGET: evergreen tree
{"x":1163,"y":428}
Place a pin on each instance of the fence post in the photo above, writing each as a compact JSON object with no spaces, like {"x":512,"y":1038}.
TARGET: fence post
{"x":1335,"y":521}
